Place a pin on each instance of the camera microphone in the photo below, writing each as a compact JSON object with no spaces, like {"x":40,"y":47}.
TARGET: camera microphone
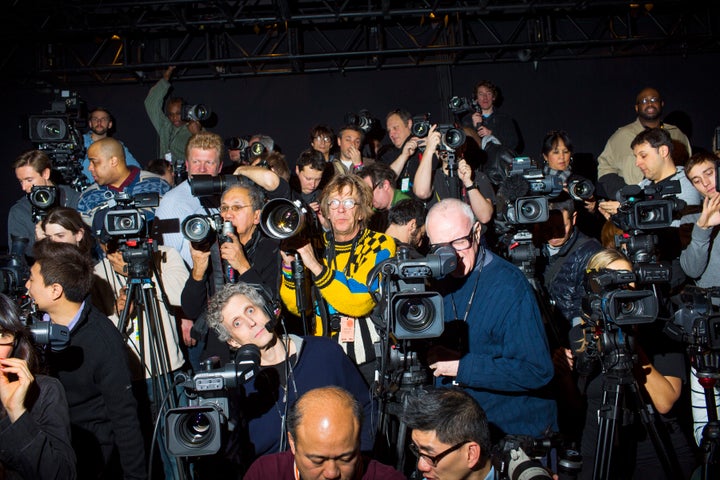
{"x":514,"y":187}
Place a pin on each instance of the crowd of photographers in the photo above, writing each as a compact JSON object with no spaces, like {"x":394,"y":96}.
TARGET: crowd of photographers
{"x":234,"y":303}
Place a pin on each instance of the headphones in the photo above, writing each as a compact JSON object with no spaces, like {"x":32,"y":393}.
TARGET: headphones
{"x":272,"y":306}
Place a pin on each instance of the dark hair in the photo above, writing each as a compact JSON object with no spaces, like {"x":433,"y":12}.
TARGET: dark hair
{"x":563,"y":202}
{"x":553,"y":137}
{"x":321,"y":130}
{"x":452,"y":414}
{"x":276,"y":162}
{"x":70,"y":219}
{"x":66,"y":265}
{"x":699,"y":158}
{"x":656,"y":137}
{"x":487,"y":84}
{"x":330,"y":392}
{"x":378,"y":173}
{"x":404,"y":115}
{"x":10,"y":323}
{"x":36,"y":159}
{"x":354,"y":128}
{"x":405,"y":210}
{"x":311,"y":157}
{"x":159,"y":166}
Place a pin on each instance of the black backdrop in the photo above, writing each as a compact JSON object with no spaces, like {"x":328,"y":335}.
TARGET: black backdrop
{"x":588,"y":98}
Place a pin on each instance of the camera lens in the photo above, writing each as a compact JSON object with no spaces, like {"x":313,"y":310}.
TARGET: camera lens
{"x":416,"y":313}
{"x":284,"y":221}
{"x":530,"y":210}
{"x":195,"y":429}
{"x":195,"y":228}
{"x":454,"y":138}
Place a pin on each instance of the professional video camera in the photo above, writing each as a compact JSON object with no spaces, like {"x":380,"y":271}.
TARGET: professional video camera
{"x":56,"y":133}
{"x":523,"y":195}
{"x":195,"y":113}
{"x":648,"y":208}
{"x":611,"y":300}
{"x":202,"y":231}
{"x":198,"y":429}
{"x":405,"y":308}
{"x":363,"y":119}
{"x":697,"y":323}
{"x":517,"y":457}
{"x":451,"y":138}
{"x":460,"y":105}
{"x":44,"y":334}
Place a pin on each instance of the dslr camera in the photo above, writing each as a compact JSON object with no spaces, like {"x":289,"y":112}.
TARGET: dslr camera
{"x":202,"y":231}
{"x":43,"y":198}
{"x":451,"y":138}
{"x":198,"y":429}
{"x":363,"y":119}
{"x":195,"y":113}
{"x":460,"y":105}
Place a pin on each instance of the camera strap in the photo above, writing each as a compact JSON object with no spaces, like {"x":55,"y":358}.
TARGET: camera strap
{"x":474,"y":289}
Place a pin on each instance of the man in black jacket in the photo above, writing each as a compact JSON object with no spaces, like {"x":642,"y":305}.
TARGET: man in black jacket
{"x":93,"y":368}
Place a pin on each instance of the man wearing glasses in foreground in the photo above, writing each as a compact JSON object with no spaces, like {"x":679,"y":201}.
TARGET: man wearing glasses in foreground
{"x":495,"y":345}
{"x":449,"y":434}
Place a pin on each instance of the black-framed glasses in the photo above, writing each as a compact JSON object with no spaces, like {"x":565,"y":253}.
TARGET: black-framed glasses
{"x":434,"y":460}
{"x":7,"y":338}
{"x":348,"y":203}
{"x":459,"y":244}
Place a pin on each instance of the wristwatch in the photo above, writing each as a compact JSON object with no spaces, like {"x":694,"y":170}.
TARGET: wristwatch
{"x":471,"y":187}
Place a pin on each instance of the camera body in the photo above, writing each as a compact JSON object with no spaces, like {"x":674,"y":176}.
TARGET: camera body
{"x":610,"y":299}
{"x":198,"y":429}
{"x":580,"y":188}
{"x":56,"y":132}
{"x":407,"y":309}
{"x":460,"y":105}
{"x":43,"y":198}
{"x":124,"y":219}
{"x":697,"y":323}
{"x":363,"y":119}
{"x":195,"y":113}
{"x":204,"y":230}
{"x":451,"y":138}
{"x":651,"y":207}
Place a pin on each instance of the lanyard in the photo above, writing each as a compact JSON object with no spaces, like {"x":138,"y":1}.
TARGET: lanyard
{"x":472,"y":294}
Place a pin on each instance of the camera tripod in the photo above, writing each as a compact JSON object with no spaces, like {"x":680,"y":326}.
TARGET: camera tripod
{"x":617,"y":382}
{"x":705,"y":365}
{"x":150,"y":335}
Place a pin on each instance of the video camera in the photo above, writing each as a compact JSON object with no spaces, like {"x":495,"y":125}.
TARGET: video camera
{"x":14,"y":270}
{"x":451,"y":138}
{"x":202,"y":231}
{"x":648,"y":208}
{"x":610,"y":298}
{"x":123,"y":218}
{"x":405,"y":308}
{"x":697,"y":323}
{"x":56,"y":133}
{"x":523,"y":195}
{"x":198,"y":429}
{"x":363,"y":119}
{"x":195,"y":113}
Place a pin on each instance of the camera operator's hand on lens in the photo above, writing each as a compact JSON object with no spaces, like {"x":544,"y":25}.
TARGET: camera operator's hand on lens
{"x":117,"y":262}
{"x":315,"y":206}
{"x":234,"y":254}
{"x":432,"y":141}
{"x":710,"y":215}
{"x":465,"y":172}
{"x":200,"y":261}
{"x":168,"y":72}
{"x":410,"y":146}
{"x":194,"y":126}
{"x":12,"y":393}
{"x":590,"y":205}
{"x":608,"y":208}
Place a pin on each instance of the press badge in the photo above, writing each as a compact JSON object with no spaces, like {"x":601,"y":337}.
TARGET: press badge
{"x":347,"y":329}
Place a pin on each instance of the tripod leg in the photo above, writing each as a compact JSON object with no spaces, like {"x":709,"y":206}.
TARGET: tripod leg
{"x":607,"y":424}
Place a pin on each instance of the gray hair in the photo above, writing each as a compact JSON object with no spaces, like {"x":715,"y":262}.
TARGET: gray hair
{"x":221,"y":299}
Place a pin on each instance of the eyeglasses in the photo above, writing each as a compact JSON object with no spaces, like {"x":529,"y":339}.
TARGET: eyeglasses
{"x":459,"y":244}
{"x":436,"y":459}
{"x":233,"y":208}
{"x":647,"y":100}
{"x":348,"y":203}
{"x":7,"y":338}
{"x":322,"y":138}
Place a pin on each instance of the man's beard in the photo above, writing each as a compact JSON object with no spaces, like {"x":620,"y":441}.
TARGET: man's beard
{"x":654,"y":116}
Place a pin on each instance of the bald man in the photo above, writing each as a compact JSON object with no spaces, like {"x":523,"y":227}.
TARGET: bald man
{"x":324,"y":435}
{"x":112,"y":175}
{"x":616,"y":163}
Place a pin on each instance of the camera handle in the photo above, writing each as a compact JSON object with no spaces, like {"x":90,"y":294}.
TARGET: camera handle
{"x":615,"y":384}
{"x":454,"y":181}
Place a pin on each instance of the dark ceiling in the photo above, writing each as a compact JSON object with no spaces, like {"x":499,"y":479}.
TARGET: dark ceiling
{"x":82,"y":42}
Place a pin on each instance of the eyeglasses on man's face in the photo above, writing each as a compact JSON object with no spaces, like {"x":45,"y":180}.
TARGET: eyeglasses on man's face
{"x":434,"y":460}
{"x":647,"y":100}
{"x":347,"y":204}
{"x":233,"y":208}
{"x":459,"y":244}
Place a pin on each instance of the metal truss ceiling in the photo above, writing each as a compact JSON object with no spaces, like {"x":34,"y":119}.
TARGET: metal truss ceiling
{"x":109,"y":42}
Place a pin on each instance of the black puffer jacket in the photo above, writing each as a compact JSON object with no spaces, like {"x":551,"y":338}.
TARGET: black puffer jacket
{"x":564,"y":273}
